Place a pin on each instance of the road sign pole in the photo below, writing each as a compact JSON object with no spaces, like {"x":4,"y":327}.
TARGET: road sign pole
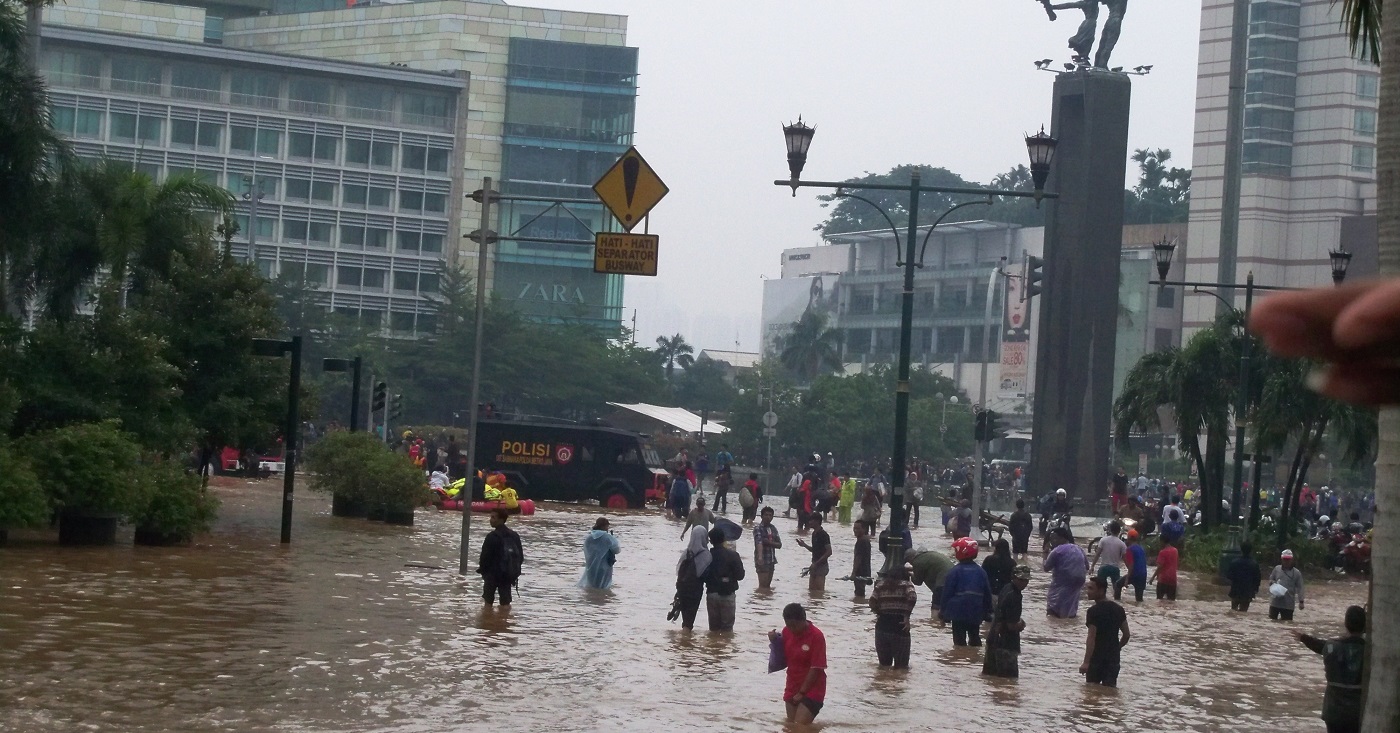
{"x":484,"y":242}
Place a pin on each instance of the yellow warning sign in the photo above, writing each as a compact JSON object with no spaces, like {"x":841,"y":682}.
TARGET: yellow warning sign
{"x":630,"y":188}
{"x":626,"y":254}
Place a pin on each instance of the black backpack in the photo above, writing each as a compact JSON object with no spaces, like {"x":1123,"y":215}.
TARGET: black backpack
{"x":512,"y":558}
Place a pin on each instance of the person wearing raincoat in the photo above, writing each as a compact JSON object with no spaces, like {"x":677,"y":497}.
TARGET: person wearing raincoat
{"x":600,"y":550}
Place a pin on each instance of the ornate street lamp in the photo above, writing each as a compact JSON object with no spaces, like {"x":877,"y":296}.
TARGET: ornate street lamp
{"x":799,"y":137}
{"x":1162,"y":252}
{"x":1042,"y":151}
{"x":1341,"y":260}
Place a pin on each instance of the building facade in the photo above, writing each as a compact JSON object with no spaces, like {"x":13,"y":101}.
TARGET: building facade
{"x":551,"y":108}
{"x":1309,"y":145}
{"x":349,"y":166}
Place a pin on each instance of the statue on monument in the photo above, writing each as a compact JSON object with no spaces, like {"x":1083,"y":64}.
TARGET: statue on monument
{"x":1083,"y":40}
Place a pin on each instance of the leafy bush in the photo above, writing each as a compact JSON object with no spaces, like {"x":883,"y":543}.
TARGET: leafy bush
{"x":1202,"y":550}
{"x":358,"y":467}
{"x":22,"y":499}
{"x":178,"y":505}
{"x":87,"y":467}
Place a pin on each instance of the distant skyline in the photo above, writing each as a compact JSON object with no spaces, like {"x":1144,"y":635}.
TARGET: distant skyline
{"x":948,"y":84}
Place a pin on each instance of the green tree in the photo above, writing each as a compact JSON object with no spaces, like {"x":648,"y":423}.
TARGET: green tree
{"x":1162,"y":194}
{"x":811,"y":348}
{"x":703,"y":387}
{"x":674,"y":350}
{"x":851,"y":215}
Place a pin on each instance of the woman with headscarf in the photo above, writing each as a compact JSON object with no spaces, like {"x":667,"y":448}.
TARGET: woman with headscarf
{"x":600,"y":550}
{"x":690,"y":588}
{"x":1068,"y":566}
{"x":999,"y":566}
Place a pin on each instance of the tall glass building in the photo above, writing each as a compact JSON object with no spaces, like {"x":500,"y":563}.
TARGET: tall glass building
{"x":568,"y":117}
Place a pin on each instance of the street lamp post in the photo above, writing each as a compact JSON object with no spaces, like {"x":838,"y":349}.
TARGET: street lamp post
{"x":1162,"y":253}
{"x":798,"y":137}
{"x":277,"y":348}
{"x":353,"y":366}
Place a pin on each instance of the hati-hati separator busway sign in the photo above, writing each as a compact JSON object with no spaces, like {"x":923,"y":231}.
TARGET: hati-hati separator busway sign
{"x":630,"y":189}
{"x":625,"y":254}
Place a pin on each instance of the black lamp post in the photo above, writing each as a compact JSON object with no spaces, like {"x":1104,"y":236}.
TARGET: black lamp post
{"x":354,"y":367}
{"x":277,"y":348}
{"x":1162,"y":252}
{"x":798,"y":137}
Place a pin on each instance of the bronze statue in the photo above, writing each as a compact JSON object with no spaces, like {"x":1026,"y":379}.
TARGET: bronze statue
{"x":1083,"y":40}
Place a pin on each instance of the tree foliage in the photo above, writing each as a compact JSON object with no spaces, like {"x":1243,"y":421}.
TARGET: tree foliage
{"x":1162,"y":194}
{"x":811,"y":348}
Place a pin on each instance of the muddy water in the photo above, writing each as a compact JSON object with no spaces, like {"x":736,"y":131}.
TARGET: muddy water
{"x":336,"y":634}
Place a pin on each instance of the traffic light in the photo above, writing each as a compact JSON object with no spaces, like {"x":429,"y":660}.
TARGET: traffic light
{"x":1034,"y":274}
{"x":381,"y":391}
{"x":979,"y":430}
{"x":996,"y":427}
{"x":396,"y":407}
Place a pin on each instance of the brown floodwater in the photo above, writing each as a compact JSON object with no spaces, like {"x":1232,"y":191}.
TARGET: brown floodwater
{"x":335,"y":633}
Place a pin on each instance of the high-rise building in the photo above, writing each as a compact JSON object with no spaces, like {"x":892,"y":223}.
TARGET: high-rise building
{"x":365,"y":135}
{"x":1309,"y":145}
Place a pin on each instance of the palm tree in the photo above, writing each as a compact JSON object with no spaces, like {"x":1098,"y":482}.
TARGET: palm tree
{"x":674,"y":350}
{"x":1370,"y":32}
{"x":30,"y":154}
{"x":810,"y":348}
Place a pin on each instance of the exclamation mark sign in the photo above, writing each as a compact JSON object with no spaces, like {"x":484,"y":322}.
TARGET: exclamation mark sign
{"x":631,"y":168}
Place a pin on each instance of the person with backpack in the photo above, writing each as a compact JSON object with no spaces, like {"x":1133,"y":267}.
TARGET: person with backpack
{"x":722,"y":582}
{"x":690,"y":588}
{"x":749,"y":495}
{"x":500,"y":560}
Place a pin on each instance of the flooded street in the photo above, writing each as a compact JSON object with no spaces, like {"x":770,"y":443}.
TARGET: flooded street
{"x":335,"y":633}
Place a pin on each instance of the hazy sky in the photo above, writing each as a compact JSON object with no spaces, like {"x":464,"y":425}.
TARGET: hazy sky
{"x":942,"y":82}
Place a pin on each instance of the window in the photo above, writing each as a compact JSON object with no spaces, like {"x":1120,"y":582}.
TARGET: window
{"x":210,"y":135}
{"x":377,"y":238}
{"x":317,"y":274}
{"x":437,"y":160}
{"x":348,"y":277}
{"x":183,"y":133}
{"x":381,"y":154}
{"x":73,"y":69}
{"x":432,"y":243}
{"x":374,"y":279}
{"x":311,"y":96}
{"x":415,"y":158}
{"x":354,"y":194}
{"x":61,"y":119}
{"x":1161,"y":339}
{"x":300,"y":145}
{"x":356,"y":152}
{"x":372,"y":318}
{"x":269,"y":142}
{"x":326,"y":148}
{"x":406,"y":281}
{"x":294,"y":231}
{"x":369,"y":102}
{"x":320,"y":231}
{"x":240,"y":184}
{"x":435,"y":202}
{"x":123,"y":126}
{"x":429,"y":110}
{"x":410,"y":200}
{"x":428,"y":283}
{"x":267,"y":228}
{"x":1364,"y":122}
{"x":241,"y":139}
{"x":1368,"y":86}
{"x":88,"y":123}
{"x":1166,"y":297}
{"x":323,"y":192}
{"x":352,"y":235}
{"x":401,"y":322}
{"x":409,"y":241}
{"x":254,"y":90}
{"x":380,"y":198}
{"x":298,"y":189}
{"x":1363,"y":158}
{"x":195,"y":81}
{"x":427,"y":323}
{"x":130,"y":74}
{"x":149,"y":129}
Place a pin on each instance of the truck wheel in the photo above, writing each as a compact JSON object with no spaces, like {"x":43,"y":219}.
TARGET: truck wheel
{"x":616,"y":499}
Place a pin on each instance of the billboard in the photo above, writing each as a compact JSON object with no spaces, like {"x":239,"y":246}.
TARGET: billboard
{"x":1015,"y":340}
{"x":787,"y":299}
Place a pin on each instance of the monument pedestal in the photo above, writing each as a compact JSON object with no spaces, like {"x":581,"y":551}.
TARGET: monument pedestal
{"x":1079,"y":298}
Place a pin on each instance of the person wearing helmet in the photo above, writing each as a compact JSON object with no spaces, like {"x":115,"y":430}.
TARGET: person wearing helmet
{"x":967,"y":595}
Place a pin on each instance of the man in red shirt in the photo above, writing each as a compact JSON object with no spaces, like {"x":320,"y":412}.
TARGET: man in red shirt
{"x":1168,"y":558}
{"x":804,"y":647}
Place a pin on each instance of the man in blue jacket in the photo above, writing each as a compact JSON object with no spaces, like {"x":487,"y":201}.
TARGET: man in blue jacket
{"x":967,"y":595}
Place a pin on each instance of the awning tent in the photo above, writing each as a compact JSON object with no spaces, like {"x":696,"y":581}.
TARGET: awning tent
{"x":675,"y":417}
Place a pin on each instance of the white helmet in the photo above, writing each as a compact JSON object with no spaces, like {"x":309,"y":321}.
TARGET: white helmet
{"x":1324,"y":520}
{"x":1061,"y":493}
